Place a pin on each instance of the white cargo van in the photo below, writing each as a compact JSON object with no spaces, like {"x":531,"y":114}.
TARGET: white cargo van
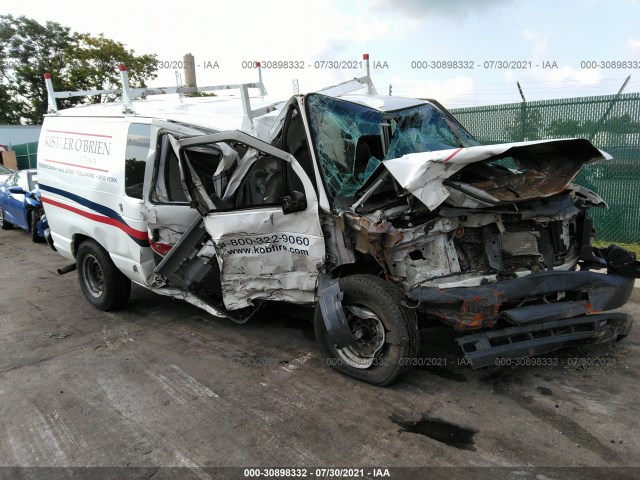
{"x":380,"y":210}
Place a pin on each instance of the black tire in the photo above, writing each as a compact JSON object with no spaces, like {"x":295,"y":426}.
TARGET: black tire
{"x":106,"y":287}
{"x":3,"y":223}
{"x":388,"y":361}
{"x":33,"y":225}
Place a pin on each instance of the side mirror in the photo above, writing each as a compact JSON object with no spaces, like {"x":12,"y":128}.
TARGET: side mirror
{"x":17,"y":190}
{"x":296,"y":202}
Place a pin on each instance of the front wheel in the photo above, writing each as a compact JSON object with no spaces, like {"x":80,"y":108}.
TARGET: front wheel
{"x":106,"y":287}
{"x":386,"y":333}
{"x":34,"y":218}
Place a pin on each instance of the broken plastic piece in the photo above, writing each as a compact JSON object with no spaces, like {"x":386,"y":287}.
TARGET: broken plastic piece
{"x":330,"y":300}
{"x":621,"y":261}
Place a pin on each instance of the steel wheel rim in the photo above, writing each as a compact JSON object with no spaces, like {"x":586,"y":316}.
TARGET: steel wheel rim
{"x":92,"y":275}
{"x":370,"y":337}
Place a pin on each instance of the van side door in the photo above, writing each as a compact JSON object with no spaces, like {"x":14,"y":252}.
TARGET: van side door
{"x":261,"y":211}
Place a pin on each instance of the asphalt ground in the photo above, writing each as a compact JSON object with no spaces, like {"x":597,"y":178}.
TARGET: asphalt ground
{"x":164,"y":390}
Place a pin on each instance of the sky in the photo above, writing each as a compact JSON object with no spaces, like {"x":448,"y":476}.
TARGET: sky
{"x":582,"y":43}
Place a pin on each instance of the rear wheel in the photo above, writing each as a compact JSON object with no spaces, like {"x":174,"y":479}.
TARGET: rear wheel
{"x":106,"y":287}
{"x":3,"y":223}
{"x":386,"y":332}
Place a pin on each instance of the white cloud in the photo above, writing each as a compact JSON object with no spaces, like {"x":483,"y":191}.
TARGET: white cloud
{"x":554,"y":78}
{"x":566,"y":74}
{"x":539,"y":41}
{"x":443,"y":8}
{"x":237,"y":31}
{"x":560,"y":77}
{"x":633,"y":44}
{"x":454,"y":91}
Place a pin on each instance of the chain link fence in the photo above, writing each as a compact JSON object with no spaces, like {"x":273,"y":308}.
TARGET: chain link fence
{"x":611,"y":122}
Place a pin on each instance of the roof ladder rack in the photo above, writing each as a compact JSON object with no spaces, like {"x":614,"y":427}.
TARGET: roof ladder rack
{"x":353,"y":85}
{"x":128,"y":93}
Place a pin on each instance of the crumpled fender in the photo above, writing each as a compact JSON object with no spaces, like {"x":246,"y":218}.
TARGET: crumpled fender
{"x":32,"y":202}
{"x":423,"y":174}
{"x":620,"y":260}
{"x":330,"y":301}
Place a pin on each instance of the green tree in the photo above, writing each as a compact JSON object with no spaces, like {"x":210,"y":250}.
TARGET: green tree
{"x":9,"y":108}
{"x":565,"y":128}
{"x":93,"y":64}
{"x":76,"y":61}
{"x":621,"y":125}
{"x":526,"y":125}
{"x":28,"y":49}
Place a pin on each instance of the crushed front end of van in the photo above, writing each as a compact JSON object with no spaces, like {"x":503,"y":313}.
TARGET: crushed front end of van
{"x":492,"y":240}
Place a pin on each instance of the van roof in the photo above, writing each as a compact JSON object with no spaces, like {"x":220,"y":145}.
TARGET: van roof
{"x":223,"y":112}
{"x":384,"y":103}
{"x":171,"y":106}
{"x":218,"y":113}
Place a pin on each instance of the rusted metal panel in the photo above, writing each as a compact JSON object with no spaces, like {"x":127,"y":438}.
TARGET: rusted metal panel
{"x":479,"y":307}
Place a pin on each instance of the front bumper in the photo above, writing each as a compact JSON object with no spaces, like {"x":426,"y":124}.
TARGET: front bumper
{"x":537,"y":328}
{"x":473,"y":308}
{"x":485,"y":349}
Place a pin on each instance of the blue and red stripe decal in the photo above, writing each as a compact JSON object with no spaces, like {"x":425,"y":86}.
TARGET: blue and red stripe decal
{"x":104,"y":214}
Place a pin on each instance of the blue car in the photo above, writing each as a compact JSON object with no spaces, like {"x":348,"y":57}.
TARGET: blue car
{"x":20,"y":203}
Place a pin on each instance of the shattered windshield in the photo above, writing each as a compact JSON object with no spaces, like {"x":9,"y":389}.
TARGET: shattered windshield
{"x":352,"y":139}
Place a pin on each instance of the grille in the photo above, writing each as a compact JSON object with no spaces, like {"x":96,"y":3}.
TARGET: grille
{"x":520,"y":243}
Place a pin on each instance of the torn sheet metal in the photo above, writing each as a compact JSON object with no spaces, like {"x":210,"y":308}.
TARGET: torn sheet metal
{"x":266,"y":254}
{"x":423,"y":174}
{"x":241,"y":290}
{"x":190,"y":298}
{"x":339,"y":248}
{"x":370,"y":235}
{"x":266,"y":249}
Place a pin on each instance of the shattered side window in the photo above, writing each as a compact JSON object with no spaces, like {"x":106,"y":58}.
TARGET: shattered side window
{"x":348,"y":140}
{"x":230,"y":157}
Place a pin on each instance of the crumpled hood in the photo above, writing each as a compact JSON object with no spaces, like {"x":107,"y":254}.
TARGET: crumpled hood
{"x":551,"y":166}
